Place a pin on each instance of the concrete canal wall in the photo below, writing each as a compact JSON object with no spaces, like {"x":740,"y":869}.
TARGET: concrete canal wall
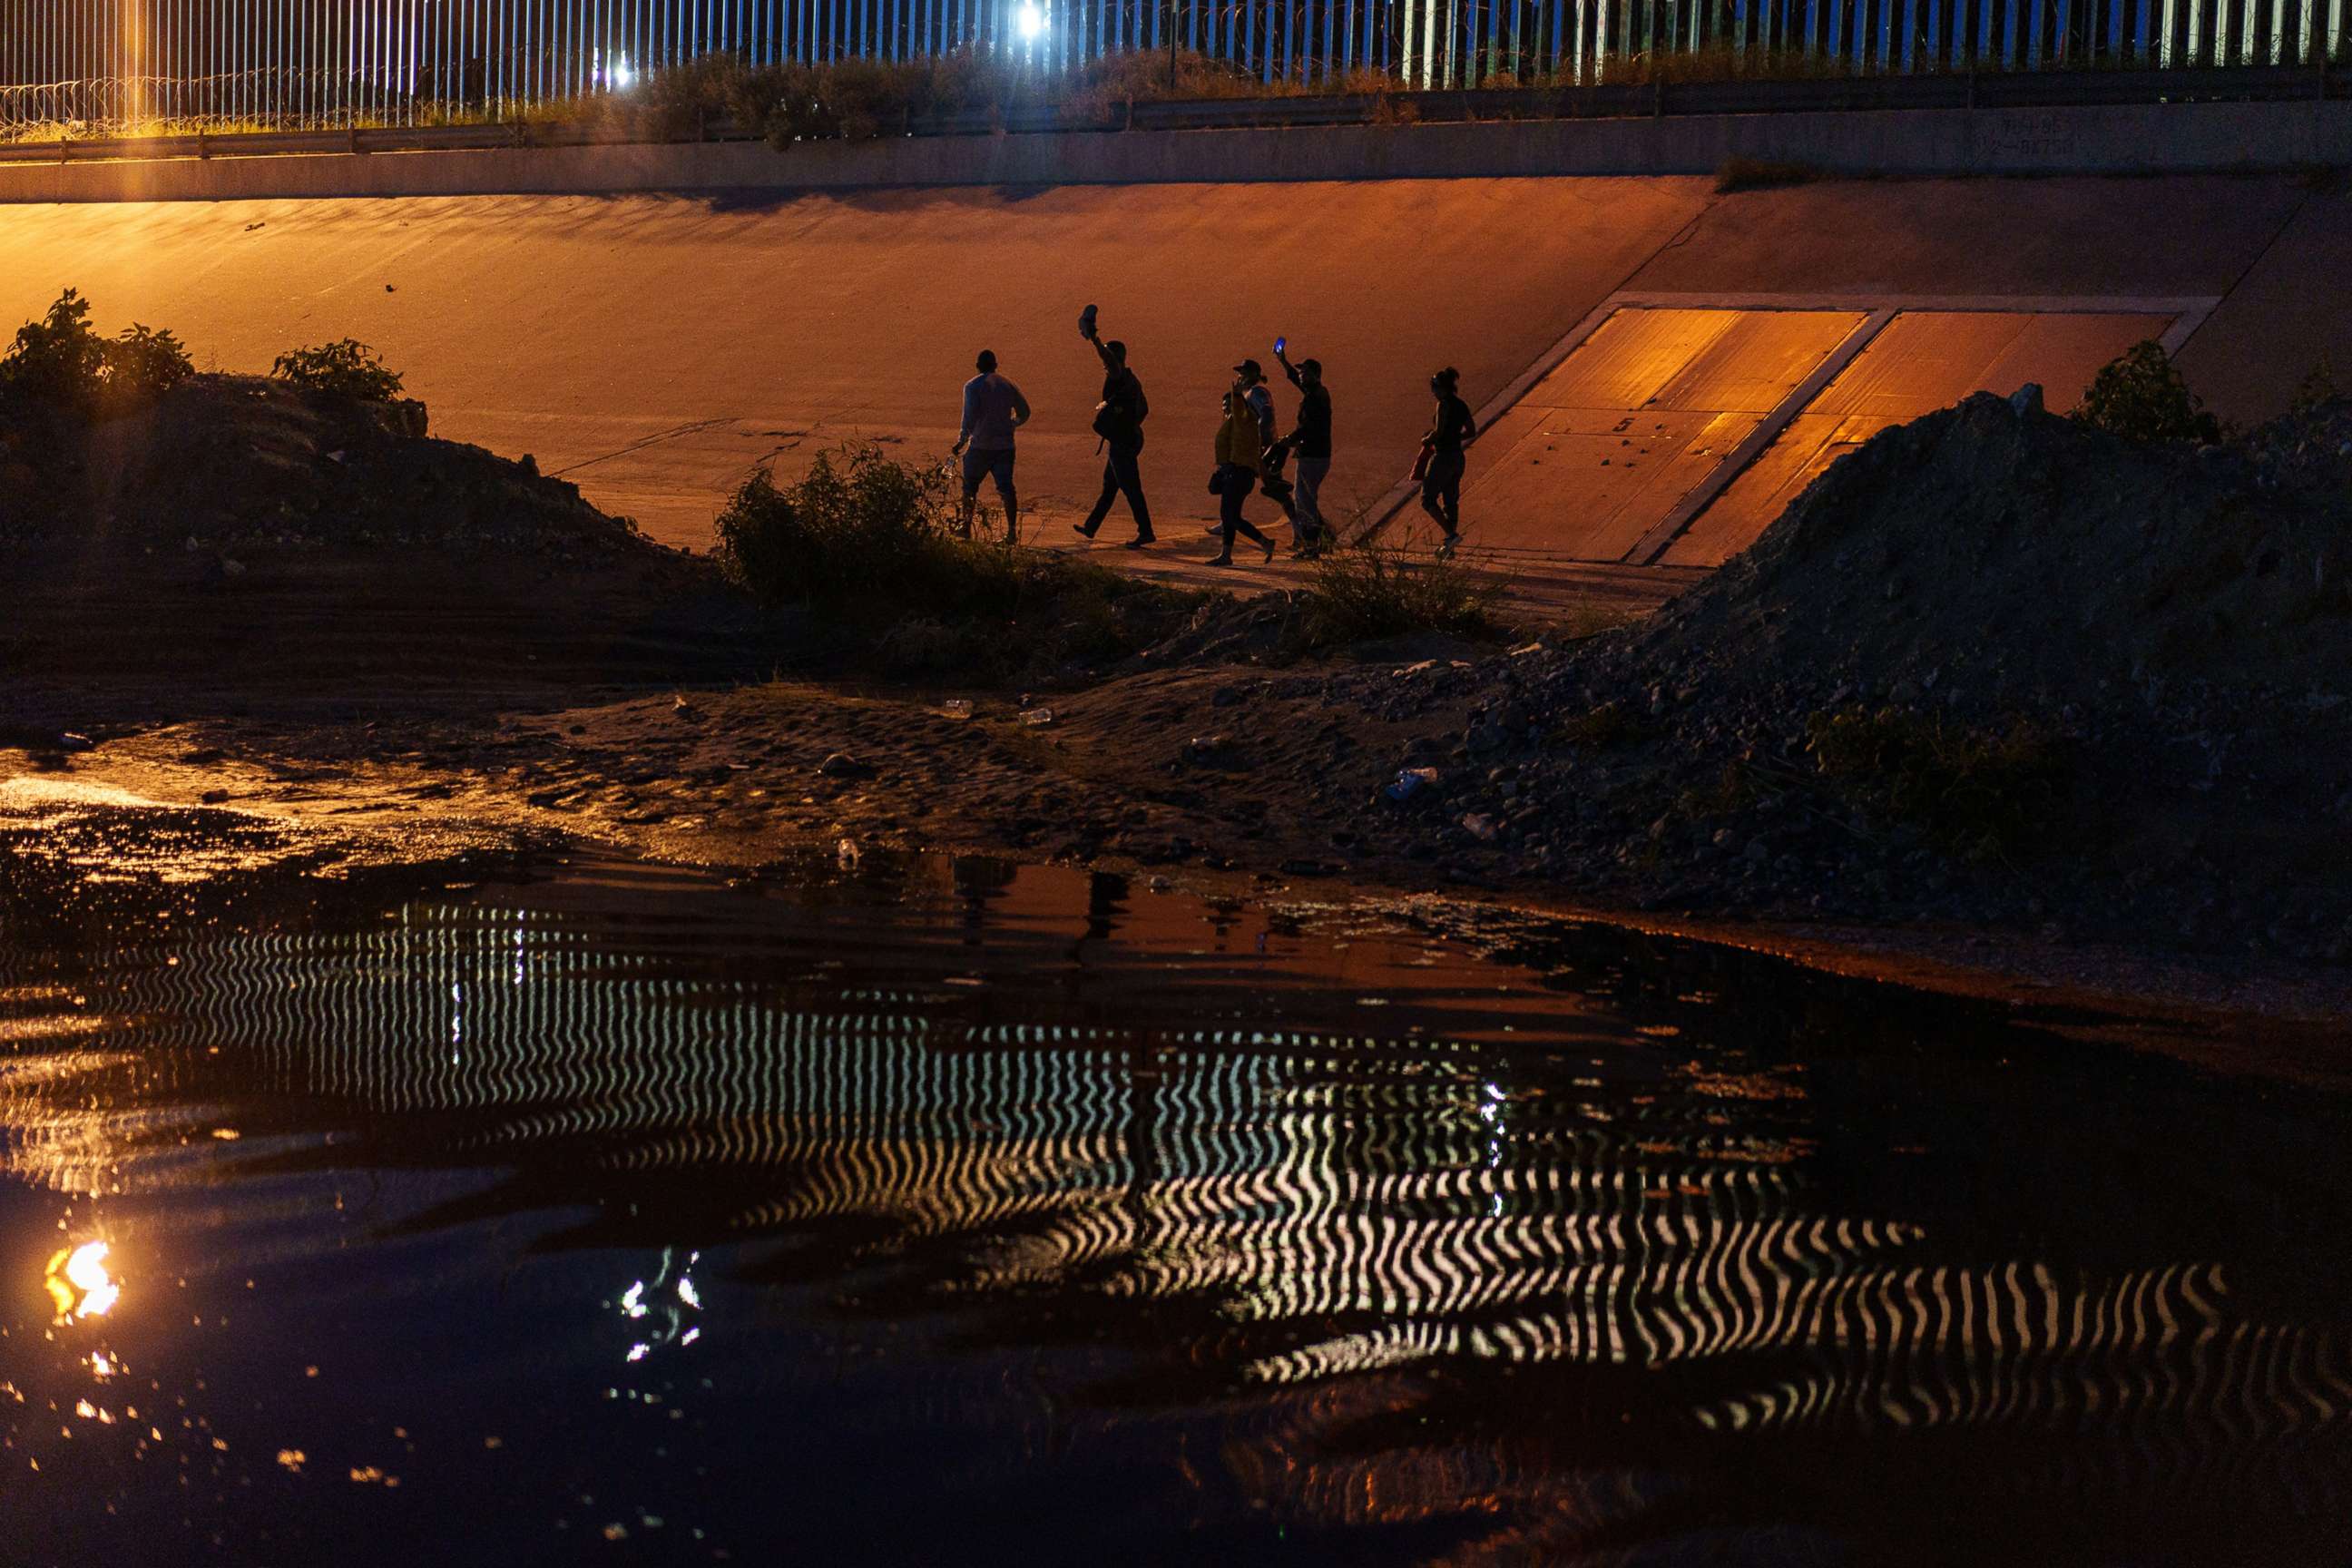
{"x":653,"y":347}
{"x":2119,"y":139}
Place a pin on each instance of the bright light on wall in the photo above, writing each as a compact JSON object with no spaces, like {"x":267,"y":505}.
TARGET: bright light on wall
{"x":1032,"y":21}
{"x":621,"y":76}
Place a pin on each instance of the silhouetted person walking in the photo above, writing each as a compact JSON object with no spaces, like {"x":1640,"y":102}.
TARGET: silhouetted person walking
{"x":1311,"y":440}
{"x":1241,"y":458}
{"x":992,"y":409}
{"x":1118,"y":420}
{"x":1451,"y":431}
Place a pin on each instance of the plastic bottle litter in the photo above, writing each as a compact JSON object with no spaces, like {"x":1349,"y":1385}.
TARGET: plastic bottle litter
{"x":1411,"y":782}
{"x":1036,"y":716}
{"x":956,"y":708}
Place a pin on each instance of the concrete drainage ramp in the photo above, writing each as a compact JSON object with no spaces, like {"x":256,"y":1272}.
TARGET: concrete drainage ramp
{"x":1673,"y":433}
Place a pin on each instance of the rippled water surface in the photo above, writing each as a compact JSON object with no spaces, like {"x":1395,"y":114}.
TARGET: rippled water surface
{"x":932,"y":1211}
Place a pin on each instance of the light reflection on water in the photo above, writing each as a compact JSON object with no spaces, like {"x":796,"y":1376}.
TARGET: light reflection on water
{"x":905,"y":1212}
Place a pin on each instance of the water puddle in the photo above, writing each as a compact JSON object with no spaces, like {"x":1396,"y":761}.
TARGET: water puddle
{"x":934,"y":1210}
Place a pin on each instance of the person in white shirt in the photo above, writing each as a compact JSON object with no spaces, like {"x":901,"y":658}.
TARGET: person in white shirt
{"x":992,"y":409}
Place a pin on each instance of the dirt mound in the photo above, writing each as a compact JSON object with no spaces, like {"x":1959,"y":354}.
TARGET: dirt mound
{"x":1997,"y":557}
{"x":223,"y":459}
{"x":291,"y":550}
{"x":1994,"y":666}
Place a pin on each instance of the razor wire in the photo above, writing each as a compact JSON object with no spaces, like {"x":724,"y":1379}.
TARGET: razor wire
{"x":264,"y":99}
{"x":108,"y":66}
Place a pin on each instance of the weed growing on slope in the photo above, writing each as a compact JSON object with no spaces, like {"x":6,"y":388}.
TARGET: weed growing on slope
{"x":1364,"y":591}
{"x":868,"y":544}
{"x":61,"y":364}
{"x":2140,"y":396}
{"x":349,"y":367}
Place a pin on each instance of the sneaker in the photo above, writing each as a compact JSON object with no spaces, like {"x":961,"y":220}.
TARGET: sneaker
{"x":1082,"y":531}
{"x":1445,"y":549}
{"x":1140,"y":542}
{"x":1221,"y":560}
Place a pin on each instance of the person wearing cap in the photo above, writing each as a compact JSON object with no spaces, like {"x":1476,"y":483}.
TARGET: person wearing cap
{"x":1118,"y":421}
{"x":1451,"y":431}
{"x":1241,"y":459}
{"x":1310,"y":440}
{"x":992,"y":409}
{"x":1270,"y":482}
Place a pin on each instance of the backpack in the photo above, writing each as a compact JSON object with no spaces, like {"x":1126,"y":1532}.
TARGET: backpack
{"x":1128,"y":431}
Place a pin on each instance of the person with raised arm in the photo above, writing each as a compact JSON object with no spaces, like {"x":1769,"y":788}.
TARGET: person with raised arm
{"x":1118,"y":421}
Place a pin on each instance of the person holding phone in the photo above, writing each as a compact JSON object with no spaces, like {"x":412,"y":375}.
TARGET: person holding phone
{"x":1452,"y":429}
{"x":1310,"y":441}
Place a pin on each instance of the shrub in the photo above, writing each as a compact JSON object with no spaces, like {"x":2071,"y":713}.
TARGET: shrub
{"x":868,"y":543}
{"x":1369,"y":592}
{"x":55,"y":361}
{"x":2140,"y":396}
{"x":349,"y":367}
{"x":685,"y":99}
{"x":60,"y":364}
{"x":858,"y":525}
{"x":1984,"y":793}
{"x":140,"y":365}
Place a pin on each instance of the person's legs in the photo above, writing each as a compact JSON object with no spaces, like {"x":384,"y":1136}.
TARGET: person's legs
{"x":1127,"y":468}
{"x":1310,"y":497}
{"x":1441,"y":491}
{"x":1450,"y":494}
{"x":1239,"y":482}
{"x":1282,"y":493}
{"x":1112,"y":484}
{"x":975,"y":465}
{"x":1001,"y":469}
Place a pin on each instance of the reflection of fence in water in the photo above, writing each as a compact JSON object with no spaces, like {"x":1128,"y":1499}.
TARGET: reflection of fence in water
{"x":1404,"y":1191}
{"x":110,"y":65}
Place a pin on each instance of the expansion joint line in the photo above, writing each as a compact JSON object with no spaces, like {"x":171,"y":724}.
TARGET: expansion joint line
{"x":1652,"y":545}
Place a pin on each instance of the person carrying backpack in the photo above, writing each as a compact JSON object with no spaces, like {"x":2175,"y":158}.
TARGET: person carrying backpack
{"x":1118,"y":420}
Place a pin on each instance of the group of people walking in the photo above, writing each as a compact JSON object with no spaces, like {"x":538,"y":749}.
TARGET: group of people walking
{"x":1251,"y":457}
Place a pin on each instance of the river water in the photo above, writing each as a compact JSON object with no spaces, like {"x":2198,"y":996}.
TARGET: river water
{"x":923,"y":1211}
